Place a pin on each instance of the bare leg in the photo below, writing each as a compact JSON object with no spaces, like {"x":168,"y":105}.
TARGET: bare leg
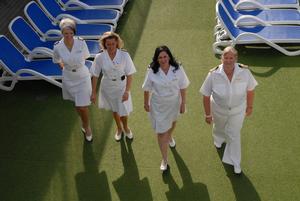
{"x":172,"y":129}
{"x":163,"y":142}
{"x":124,"y":121}
{"x":118,"y":122}
{"x":84,"y":116}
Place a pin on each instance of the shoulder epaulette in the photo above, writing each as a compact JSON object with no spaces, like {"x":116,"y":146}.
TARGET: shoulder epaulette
{"x":124,"y":50}
{"x":57,"y":42}
{"x":79,"y":38}
{"x":242,"y":65}
{"x":101,"y":51}
{"x":213,"y":69}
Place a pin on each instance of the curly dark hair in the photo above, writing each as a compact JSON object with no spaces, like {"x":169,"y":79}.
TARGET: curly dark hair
{"x":154,"y":65}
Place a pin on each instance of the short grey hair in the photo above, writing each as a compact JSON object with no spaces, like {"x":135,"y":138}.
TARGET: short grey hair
{"x":230,"y":49}
{"x":67,"y":23}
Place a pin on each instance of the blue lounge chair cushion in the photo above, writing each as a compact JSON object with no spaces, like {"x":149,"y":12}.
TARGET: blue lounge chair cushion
{"x":267,"y":17}
{"x":50,"y":30}
{"x":30,"y":40}
{"x":54,"y":11}
{"x":267,"y":3}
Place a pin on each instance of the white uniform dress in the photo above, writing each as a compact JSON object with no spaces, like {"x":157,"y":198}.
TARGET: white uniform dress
{"x":165,"y":96}
{"x":113,"y":82}
{"x":76,"y":80}
{"x":228,"y":106}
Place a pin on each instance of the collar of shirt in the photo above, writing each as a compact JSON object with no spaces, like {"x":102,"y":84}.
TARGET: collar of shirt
{"x":162,"y":73}
{"x":116,"y":60}
{"x":236,"y":71}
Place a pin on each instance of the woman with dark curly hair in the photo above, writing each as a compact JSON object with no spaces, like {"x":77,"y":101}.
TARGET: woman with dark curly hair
{"x":164,"y":97}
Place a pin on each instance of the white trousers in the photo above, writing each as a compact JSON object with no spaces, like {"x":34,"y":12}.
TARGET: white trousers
{"x":226,"y":128}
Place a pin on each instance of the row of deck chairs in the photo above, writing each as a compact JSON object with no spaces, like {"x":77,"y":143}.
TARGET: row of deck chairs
{"x":37,"y":35}
{"x":264,"y":23}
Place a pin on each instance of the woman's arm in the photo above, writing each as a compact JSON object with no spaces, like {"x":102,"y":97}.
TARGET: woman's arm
{"x":250,"y":99}
{"x":94,"y":88}
{"x":146,"y":101}
{"x":206,"y":105}
{"x":127,"y":89}
{"x":183,"y":100}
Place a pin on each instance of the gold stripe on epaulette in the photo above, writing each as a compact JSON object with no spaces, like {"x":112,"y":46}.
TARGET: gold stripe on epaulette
{"x":213,"y":69}
{"x":242,"y":65}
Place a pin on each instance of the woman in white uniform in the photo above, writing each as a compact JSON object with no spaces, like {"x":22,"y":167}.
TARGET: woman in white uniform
{"x":70,"y":53}
{"x":228,"y":94}
{"x":164,"y":97}
{"x":117,"y":68}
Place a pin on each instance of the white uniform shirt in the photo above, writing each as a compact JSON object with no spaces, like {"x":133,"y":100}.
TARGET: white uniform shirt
{"x":166,"y":85}
{"x":228,"y":95}
{"x":113,"y":82}
{"x":72,"y":60}
{"x":113,"y":69}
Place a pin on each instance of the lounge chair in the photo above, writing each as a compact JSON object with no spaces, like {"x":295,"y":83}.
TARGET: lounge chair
{"x":49,"y":30}
{"x":93,"y":4}
{"x":88,"y":16}
{"x":35,"y":46}
{"x":258,"y":16}
{"x":265,"y":4}
{"x":15,"y":67}
{"x":273,"y":36}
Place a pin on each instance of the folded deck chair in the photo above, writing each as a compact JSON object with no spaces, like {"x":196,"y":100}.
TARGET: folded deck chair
{"x":93,"y":4}
{"x":34,"y":45}
{"x":15,"y":67}
{"x":87,"y":16}
{"x":265,"y":4}
{"x":273,"y":36}
{"x":258,"y":16}
{"x":49,"y":30}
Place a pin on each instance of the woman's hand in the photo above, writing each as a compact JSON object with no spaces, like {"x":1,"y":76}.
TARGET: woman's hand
{"x":147,"y":107}
{"x":182,"y":108}
{"x":208,"y":119}
{"x":93,"y":97}
{"x":249,"y":111}
{"x":125,"y":96}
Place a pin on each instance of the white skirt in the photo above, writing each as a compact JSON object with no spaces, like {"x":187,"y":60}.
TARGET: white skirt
{"x":78,"y":91}
{"x":163,"y":112}
{"x":110,"y":97}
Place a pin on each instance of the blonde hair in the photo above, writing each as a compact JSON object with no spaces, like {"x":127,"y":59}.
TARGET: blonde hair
{"x":111,"y":35}
{"x":67,"y":23}
{"x":230,"y":49}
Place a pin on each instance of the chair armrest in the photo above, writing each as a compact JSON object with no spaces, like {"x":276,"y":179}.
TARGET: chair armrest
{"x":76,"y":5}
{"x":249,"y":20}
{"x":40,"y":52}
{"x":249,"y":5}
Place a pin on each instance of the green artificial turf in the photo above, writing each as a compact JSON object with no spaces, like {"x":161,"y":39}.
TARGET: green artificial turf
{"x":43,"y":156}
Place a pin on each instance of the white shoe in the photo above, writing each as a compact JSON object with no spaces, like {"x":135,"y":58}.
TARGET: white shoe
{"x":217,"y":145}
{"x":237,"y":169}
{"x":118,"y":136}
{"x":88,"y":138}
{"x":163,"y":165}
{"x":129,"y":135}
{"x":172,"y":143}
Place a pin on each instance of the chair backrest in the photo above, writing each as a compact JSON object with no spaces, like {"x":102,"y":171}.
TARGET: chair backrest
{"x":98,"y":2}
{"x":11,"y":57}
{"x":228,"y":24}
{"x":51,"y":7}
{"x":38,"y":18}
{"x":26,"y":36}
{"x":236,"y":14}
